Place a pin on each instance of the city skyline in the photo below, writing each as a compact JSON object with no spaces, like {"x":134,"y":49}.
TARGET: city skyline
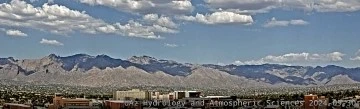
{"x":305,"y":33}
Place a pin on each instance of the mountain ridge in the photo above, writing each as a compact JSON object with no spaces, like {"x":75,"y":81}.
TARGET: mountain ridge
{"x":87,"y":70}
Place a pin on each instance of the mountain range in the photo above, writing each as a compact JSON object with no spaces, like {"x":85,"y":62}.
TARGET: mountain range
{"x":102,"y":70}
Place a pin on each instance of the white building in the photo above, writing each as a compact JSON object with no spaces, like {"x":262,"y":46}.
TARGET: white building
{"x":131,"y":94}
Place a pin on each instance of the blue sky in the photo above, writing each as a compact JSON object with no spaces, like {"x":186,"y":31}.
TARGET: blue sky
{"x":298,"y":32}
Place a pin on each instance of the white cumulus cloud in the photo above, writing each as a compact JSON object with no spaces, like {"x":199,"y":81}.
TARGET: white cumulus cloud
{"x":171,"y":45}
{"x":17,"y":33}
{"x":168,"y":7}
{"x":263,"y":6}
{"x":160,"y":20}
{"x":357,"y":56}
{"x":274,"y":22}
{"x":51,"y":42}
{"x":292,"y":58}
{"x":136,"y":29}
{"x":219,"y":18}
{"x":62,"y":20}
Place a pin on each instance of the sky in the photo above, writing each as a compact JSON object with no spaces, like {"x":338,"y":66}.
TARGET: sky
{"x":241,"y":32}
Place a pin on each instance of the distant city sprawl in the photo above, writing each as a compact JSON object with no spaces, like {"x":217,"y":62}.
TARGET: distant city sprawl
{"x":60,"y":96}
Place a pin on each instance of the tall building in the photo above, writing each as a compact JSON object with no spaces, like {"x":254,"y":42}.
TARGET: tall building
{"x":131,"y":95}
{"x":310,"y":101}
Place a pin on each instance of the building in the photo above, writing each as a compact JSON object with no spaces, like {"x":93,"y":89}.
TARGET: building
{"x":155,"y":95}
{"x":158,"y":96}
{"x":187,"y":94}
{"x":120,"y":104}
{"x":15,"y":106}
{"x":131,"y":95}
{"x":65,"y":103}
{"x":176,"y":95}
{"x":309,"y":101}
{"x":323,"y":102}
{"x":56,"y":101}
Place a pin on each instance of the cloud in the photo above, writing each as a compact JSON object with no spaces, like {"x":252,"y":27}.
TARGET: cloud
{"x":219,"y":18}
{"x":357,"y":57}
{"x":167,"y":7}
{"x":62,"y":20}
{"x":264,"y":6}
{"x":243,"y":6}
{"x":274,"y":23}
{"x":51,"y":42}
{"x":160,"y":20}
{"x":171,"y":45}
{"x":292,"y":58}
{"x":136,"y":29}
{"x":298,"y":22}
{"x":16,"y":33}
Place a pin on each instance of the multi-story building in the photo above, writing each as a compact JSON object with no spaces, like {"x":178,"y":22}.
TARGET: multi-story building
{"x":186,"y":94}
{"x":175,"y":95}
{"x":131,"y":95}
{"x":158,"y":96}
{"x":79,"y":103}
{"x":310,"y":100}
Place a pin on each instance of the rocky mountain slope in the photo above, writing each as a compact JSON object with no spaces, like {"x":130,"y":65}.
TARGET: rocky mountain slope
{"x":102,"y":70}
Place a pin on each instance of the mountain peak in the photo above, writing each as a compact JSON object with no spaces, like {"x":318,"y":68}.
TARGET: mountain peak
{"x":8,"y":60}
{"x":104,"y":56}
{"x":11,"y":58}
{"x":142,"y":59}
{"x":81,"y":55}
{"x":335,"y":66}
{"x":53,"y":56}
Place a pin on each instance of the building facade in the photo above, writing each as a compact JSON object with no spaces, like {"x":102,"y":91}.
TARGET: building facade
{"x":309,"y":101}
{"x":66,"y":103}
{"x":131,"y":95}
{"x":186,"y":94}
